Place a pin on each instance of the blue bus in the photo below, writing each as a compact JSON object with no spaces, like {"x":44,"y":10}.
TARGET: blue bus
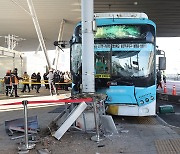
{"x":125,"y":62}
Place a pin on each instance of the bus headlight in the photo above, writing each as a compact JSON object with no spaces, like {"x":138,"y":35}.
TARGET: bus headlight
{"x":147,"y":99}
{"x":141,"y":102}
{"x":152,"y":98}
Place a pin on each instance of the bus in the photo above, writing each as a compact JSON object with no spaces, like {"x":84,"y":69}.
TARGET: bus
{"x":125,"y":62}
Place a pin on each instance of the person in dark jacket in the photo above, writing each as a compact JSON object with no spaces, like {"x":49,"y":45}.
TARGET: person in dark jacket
{"x":56,"y":80}
{"x":46,"y":80}
{"x":164,"y":77}
{"x":159,"y":80}
{"x":62,"y":81}
{"x":15,"y":81}
{"x":33,"y":81}
{"x":7,"y":82}
{"x":38,"y":79}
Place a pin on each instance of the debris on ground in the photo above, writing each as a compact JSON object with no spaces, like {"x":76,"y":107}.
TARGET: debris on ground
{"x":43,"y":151}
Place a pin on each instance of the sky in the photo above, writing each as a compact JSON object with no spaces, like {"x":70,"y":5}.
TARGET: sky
{"x":171,"y":46}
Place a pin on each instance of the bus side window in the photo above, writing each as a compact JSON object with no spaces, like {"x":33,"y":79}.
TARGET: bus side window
{"x":149,"y":37}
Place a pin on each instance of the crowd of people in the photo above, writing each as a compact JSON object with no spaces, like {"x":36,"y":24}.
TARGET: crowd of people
{"x":53,"y":80}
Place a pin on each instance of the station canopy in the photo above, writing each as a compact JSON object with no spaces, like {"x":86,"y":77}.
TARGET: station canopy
{"x":16,"y":20}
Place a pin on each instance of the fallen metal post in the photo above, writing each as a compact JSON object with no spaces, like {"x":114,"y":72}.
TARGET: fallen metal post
{"x":18,"y":137}
{"x":73,"y":115}
{"x":26,"y":146}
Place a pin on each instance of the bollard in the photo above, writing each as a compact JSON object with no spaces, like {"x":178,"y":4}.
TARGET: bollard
{"x":84,"y":120}
{"x":26,"y":147}
{"x":25,"y":124}
{"x":97,"y":136}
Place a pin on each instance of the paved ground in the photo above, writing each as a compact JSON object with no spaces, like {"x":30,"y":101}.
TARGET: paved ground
{"x":166,"y":98}
{"x":169,"y":87}
{"x":171,"y":118}
{"x":137,"y":135}
{"x":42,"y":92}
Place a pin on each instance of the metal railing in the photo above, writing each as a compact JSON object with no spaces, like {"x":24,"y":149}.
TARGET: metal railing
{"x":173,"y":77}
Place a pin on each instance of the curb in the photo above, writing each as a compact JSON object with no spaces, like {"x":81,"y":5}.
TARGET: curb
{"x":168,"y":97}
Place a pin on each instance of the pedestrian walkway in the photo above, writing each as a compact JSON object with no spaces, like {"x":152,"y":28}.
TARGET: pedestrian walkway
{"x":137,"y":135}
{"x":42,"y":92}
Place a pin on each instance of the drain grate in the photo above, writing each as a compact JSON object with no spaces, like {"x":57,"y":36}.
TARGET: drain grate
{"x":147,"y":120}
{"x":169,"y":146}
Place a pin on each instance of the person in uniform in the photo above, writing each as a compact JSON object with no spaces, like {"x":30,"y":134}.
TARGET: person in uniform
{"x":15,"y":82}
{"x":7,"y":82}
{"x":26,"y":82}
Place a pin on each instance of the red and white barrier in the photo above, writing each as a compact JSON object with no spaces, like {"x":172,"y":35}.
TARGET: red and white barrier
{"x":34,"y":102}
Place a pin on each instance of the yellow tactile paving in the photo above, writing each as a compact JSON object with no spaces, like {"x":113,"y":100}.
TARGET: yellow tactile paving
{"x":147,"y":120}
{"x":176,"y":144}
{"x":168,"y":146}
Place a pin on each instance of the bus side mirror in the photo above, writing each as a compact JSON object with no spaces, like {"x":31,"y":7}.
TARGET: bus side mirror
{"x":162,"y":63}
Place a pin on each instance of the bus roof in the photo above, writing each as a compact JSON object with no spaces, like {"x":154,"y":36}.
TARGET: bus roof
{"x":121,"y":15}
{"x":132,"y":21}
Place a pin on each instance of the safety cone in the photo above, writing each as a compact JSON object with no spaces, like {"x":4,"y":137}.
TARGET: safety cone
{"x":165,"y":89}
{"x":174,"y":90}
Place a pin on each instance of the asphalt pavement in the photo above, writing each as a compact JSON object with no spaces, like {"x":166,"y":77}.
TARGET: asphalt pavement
{"x":172,"y":119}
{"x":166,"y":97}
